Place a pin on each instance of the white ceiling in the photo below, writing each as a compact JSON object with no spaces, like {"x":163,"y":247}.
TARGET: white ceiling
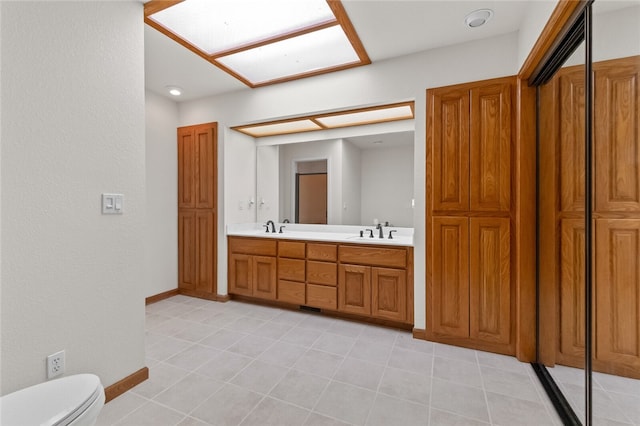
{"x":387,"y":28}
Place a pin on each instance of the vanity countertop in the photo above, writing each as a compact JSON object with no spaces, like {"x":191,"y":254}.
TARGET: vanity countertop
{"x":329,"y":233}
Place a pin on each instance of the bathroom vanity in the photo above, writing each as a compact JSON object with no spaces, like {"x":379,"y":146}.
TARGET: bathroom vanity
{"x":326,"y":268}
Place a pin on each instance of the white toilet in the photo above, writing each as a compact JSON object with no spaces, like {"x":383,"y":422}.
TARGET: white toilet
{"x":74,"y":400}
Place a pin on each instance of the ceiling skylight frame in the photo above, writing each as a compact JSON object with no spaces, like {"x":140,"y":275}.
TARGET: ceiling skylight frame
{"x":270,"y":128}
{"x":340,"y":19}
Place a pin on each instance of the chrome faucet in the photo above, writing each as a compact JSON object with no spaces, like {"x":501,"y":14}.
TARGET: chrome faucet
{"x":273,"y":226}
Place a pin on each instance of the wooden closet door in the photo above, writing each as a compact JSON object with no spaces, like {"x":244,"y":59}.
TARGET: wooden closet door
{"x":490,"y":146}
{"x":187,"y":168}
{"x":205,"y":250}
{"x":449,"y":307}
{"x":450,"y":147}
{"x":206,"y":166}
{"x":187,"y":258}
{"x":490,"y":280}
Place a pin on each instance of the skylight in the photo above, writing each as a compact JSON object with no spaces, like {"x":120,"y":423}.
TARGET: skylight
{"x":348,"y":118}
{"x":262,"y":42}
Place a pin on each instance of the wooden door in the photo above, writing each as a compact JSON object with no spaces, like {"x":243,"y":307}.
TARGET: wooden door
{"x":205,"y":250}
{"x":264,"y":277}
{"x":186,"y":168}
{"x":187,"y":250}
{"x":354,"y":286}
{"x":389,"y":293}
{"x":240,"y":274}
{"x":490,"y":295}
{"x":311,"y":198}
{"x":490,"y":148}
{"x":449,"y":109}
{"x":206,"y":156}
{"x":448,"y":310}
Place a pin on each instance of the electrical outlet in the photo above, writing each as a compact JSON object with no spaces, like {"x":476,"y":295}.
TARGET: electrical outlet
{"x":55,"y":365}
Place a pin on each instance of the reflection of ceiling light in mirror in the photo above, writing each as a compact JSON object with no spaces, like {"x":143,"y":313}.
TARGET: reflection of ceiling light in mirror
{"x":376,"y":115}
{"x":279,"y":128}
{"x":174,"y":90}
{"x":477,"y":18}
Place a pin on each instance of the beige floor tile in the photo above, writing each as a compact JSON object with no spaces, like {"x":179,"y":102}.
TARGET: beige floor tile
{"x":259,"y":377}
{"x":509,"y":383}
{"x":193,"y":357}
{"x":300,"y":388}
{"x":359,"y":373}
{"x":406,"y":385}
{"x":152,"y":414}
{"x":465,"y":373}
{"x":507,"y":411}
{"x":371,"y":351}
{"x":271,"y":412}
{"x":334,"y":343}
{"x":459,"y":399}
{"x":320,"y":363}
{"x":283,"y":354}
{"x":444,"y":418}
{"x":316,"y":419}
{"x":188,"y":393}
{"x":228,"y":406}
{"x":416,"y":362}
{"x":224,"y":366}
{"x":251,"y":346}
{"x":346,"y":402}
{"x":119,"y":408}
{"x":391,"y":411}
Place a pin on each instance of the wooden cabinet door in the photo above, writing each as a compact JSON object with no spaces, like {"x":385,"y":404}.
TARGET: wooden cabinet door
{"x":449,"y":142}
{"x":448,"y":309}
{"x":617,"y":291}
{"x":354,"y":287}
{"x":490,"y":148}
{"x":489,"y":280}
{"x":389,"y":293}
{"x":264,"y":277}
{"x":187,"y":250}
{"x":205,"y":146}
{"x":205,"y":250}
{"x":186,"y":168}
{"x":240,"y":274}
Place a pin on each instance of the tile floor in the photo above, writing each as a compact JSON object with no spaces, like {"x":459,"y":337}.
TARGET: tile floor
{"x":242,"y":364}
{"x":616,"y":400}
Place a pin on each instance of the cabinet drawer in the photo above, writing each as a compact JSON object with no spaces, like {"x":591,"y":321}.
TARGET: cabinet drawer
{"x":291,"y":269}
{"x":322,"y":296}
{"x":376,"y":256}
{"x":291,"y":292}
{"x":261,"y":247}
{"x":322,"y":273}
{"x":327,"y":252}
{"x":292,"y":249}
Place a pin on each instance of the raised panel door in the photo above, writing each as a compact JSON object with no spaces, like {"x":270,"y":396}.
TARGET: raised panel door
{"x":490,"y":148}
{"x":388,"y":293}
{"x":206,"y":257}
{"x":205,"y":141}
{"x":572,"y":267}
{"x":617,"y":291}
{"x":186,"y":168}
{"x":354,"y":288}
{"x":449,"y":308}
{"x":617,"y":139}
{"x":450,"y":139}
{"x":490,"y":280}
{"x":187,"y":250}
{"x":240,"y":274}
{"x":264,"y":277}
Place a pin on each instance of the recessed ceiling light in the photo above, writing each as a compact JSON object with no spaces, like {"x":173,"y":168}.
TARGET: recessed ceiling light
{"x":174,"y":90}
{"x":478,"y":18}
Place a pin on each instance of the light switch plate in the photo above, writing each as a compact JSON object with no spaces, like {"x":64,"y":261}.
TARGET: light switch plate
{"x":112,"y":203}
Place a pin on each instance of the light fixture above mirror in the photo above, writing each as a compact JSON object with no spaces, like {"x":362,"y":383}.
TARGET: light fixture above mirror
{"x":262,"y":42}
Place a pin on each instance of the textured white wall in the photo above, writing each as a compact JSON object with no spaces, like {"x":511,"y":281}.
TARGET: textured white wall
{"x":72,"y":128}
{"x":387,"y":185}
{"x":538,"y":13}
{"x":268,"y":183}
{"x":161,"y":252}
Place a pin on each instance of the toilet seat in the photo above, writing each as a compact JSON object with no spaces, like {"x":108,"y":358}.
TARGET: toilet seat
{"x":55,"y":403}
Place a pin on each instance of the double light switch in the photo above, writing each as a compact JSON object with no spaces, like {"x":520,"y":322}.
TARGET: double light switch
{"x":112,"y":203}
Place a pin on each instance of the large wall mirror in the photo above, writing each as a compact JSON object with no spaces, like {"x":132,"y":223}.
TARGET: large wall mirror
{"x":354,"y":180}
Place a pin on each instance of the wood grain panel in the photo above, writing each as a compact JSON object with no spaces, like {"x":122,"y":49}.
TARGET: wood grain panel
{"x":240,"y":274}
{"x":377,"y":256}
{"x":258,"y":246}
{"x":490,"y":280}
{"x":292,"y":249}
{"x":618,"y":292}
{"x":450,"y":146}
{"x":186,"y":168}
{"x":572,"y":266}
{"x":388,"y":293}
{"x":291,"y":292}
{"x":490,"y":147}
{"x":291,"y":269}
{"x":322,"y":296}
{"x":206,"y":165}
{"x":449,"y":308}
{"x":205,"y":249}
{"x":354,"y":287}
{"x":264,"y":277}
{"x":572,"y":137}
{"x":617,"y":139}
{"x":187,"y":240}
{"x":325,"y":252}
{"x":325,"y":273}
